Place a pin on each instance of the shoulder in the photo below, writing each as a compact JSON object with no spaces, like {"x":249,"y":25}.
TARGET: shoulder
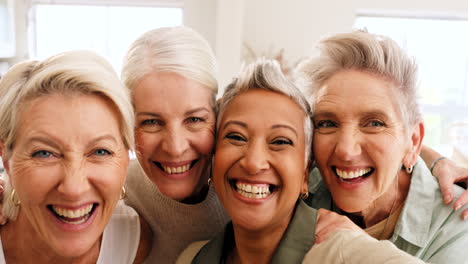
{"x":146,"y":241}
{"x":121,"y":236}
{"x":190,"y":252}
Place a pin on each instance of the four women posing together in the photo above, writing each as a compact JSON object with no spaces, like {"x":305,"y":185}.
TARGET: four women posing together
{"x":67,"y":124}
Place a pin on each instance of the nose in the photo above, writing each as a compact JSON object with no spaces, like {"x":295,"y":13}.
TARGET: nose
{"x":348,"y":144}
{"x":175,"y":141}
{"x":74,"y":182}
{"x":255,"y":159}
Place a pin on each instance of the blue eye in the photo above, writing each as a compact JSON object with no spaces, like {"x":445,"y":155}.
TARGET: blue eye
{"x":42,"y":154}
{"x":102,"y":152}
{"x":376,"y":123}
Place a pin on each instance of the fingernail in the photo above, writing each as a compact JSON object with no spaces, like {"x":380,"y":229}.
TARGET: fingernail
{"x":447,"y":198}
{"x":465,"y":217}
{"x":458,"y":207}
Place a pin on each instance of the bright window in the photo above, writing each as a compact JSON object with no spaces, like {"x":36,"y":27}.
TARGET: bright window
{"x":108,"y":30}
{"x":440,"y":49}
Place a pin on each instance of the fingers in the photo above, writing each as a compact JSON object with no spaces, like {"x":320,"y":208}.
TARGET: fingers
{"x":460,"y":202}
{"x":446,"y":187}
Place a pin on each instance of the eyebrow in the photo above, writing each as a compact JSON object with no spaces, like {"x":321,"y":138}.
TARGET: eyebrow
{"x":234,"y":122}
{"x":53,"y":143}
{"x":285,"y":126}
{"x":198,"y":109}
{"x":242,"y":124}
{"x":371,"y":112}
{"x":189,"y":112}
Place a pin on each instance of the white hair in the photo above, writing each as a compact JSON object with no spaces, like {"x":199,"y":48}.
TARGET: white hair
{"x":179,"y":50}
{"x":366,"y":52}
{"x":69,"y":73}
{"x":267,"y":75}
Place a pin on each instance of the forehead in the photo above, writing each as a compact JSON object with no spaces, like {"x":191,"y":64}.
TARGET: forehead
{"x":170,"y":90}
{"x":353,"y":92}
{"x":259,"y":106}
{"x":65,"y":115}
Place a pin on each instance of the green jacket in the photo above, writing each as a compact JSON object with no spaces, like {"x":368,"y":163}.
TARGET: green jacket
{"x":296,"y":242}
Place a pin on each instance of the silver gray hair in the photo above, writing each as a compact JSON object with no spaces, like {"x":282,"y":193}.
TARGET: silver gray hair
{"x":267,"y":75}
{"x":179,"y":50}
{"x":69,"y":73}
{"x":363,"y":51}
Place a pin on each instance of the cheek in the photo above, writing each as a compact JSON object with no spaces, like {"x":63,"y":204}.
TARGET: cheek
{"x":203,"y":142}
{"x":146,"y":143}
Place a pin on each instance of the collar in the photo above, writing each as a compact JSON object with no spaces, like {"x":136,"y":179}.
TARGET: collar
{"x":296,"y":242}
{"x":415,"y":218}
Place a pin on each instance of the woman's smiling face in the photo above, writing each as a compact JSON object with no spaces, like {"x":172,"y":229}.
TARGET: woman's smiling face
{"x":360,"y":143}
{"x":174,"y":133}
{"x":259,"y":164}
{"x":68,"y":166}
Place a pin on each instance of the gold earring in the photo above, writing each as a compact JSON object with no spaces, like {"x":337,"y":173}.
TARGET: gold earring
{"x":14,"y":199}
{"x":304,"y":195}
{"x":123,"y":193}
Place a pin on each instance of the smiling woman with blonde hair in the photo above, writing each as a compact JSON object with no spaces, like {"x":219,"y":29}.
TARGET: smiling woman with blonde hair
{"x":66,"y":127}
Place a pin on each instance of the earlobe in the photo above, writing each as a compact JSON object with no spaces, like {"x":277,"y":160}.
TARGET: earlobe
{"x":416,"y":144}
{"x":305,"y":185}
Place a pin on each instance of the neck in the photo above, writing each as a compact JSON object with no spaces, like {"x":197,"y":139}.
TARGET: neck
{"x":383,"y":206}
{"x":22,"y":244}
{"x":257,"y":246}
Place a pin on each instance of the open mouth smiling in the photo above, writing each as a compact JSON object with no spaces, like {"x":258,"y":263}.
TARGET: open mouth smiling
{"x":175,"y":169}
{"x":354,"y":175}
{"x":253,"y":191}
{"x":73,"y":217}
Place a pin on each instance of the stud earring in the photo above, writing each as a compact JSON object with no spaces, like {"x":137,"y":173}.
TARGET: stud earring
{"x":409,"y":169}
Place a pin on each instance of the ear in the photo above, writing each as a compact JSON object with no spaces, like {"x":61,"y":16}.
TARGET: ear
{"x":305,"y":183}
{"x":416,"y":139}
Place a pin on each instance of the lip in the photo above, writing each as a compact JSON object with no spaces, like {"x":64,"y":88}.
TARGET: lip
{"x":79,"y":227}
{"x":176,"y":176}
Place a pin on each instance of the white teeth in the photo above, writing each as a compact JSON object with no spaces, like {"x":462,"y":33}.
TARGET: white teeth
{"x":72,"y":214}
{"x":180,"y":169}
{"x":352,"y":174}
{"x":252,"y":191}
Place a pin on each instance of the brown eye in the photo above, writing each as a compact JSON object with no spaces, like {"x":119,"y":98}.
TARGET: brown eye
{"x":235,"y":136}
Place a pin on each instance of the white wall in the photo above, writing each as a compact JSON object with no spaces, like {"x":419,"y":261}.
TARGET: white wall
{"x":297,"y":25}
{"x":270,"y":25}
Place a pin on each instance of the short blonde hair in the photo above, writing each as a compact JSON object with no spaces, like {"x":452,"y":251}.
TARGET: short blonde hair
{"x":363,"y":51}
{"x":179,"y":50}
{"x":267,"y":75}
{"x":70,"y":73}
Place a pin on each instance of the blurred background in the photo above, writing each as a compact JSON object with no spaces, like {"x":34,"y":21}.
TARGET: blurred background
{"x":434,"y":32}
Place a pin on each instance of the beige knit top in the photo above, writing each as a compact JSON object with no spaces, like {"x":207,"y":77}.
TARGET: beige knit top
{"x":175,"y":225}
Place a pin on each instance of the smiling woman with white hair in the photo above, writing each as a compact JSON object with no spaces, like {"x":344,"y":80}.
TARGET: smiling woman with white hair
{"x":171,"y":74}
{"x":66,"y":126}
{"x":368,"y":134}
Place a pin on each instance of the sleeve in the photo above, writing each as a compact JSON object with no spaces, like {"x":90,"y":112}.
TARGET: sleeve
{"x":347,"y":246}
